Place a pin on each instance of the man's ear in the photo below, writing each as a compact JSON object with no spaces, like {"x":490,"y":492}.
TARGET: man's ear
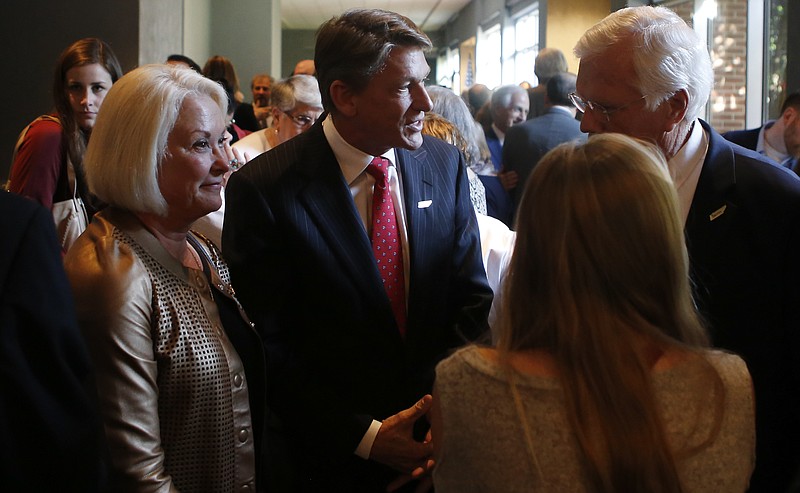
{"x":343,"y":98}
{"x":276,"y":117}
{"x":677,"y":104}
{"x":789,"y":115}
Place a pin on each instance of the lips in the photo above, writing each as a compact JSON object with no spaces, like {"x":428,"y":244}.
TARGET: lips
{"x":217,"y":185}
{"x":416,"y":125}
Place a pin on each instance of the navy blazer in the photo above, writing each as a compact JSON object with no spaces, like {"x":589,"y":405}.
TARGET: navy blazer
{"x":745,"y":138}
{"x":49,"y":425}
{"x":742,"y":234}
{"x":528,"y":142}
{"x":303,"y":267}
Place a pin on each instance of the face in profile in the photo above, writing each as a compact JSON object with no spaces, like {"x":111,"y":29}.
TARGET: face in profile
{"x":392,"y":107}
{"x":791,"y":132}
{"x":191,"y":172}
{"x":609,"y":80}
{"x":87,"y":86}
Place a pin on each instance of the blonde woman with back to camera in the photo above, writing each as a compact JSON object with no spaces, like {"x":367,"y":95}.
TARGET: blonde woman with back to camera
{"x":602,"y":380}
{"x":180,"y":369}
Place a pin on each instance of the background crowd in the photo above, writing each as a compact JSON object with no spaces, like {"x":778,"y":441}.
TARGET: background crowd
{"x":358,"y":283}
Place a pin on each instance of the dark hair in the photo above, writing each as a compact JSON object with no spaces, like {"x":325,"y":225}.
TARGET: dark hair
{"x":559,"y":87}
{"x":185,"y":59}
{"x":86,"y":51}
{"x":219,"y":68}
{"x":792,"y":100}
{"x":353,"y":47}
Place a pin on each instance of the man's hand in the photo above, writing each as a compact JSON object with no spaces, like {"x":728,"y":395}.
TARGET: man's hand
{"x":508,"y":179}
{"x":395,"y":446}
{"x":261,"y":112}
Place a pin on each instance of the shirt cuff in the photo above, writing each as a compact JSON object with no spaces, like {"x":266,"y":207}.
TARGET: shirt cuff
{"x":365,"y":445}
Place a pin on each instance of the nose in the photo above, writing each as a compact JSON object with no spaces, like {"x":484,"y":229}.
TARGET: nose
{"x":86,"y":98}
{"x":221,"y":163}
{"x":424,"y":102}
{"x":591,"y":124}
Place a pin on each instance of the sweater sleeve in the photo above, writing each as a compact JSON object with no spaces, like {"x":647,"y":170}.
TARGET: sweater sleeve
{"x":38,"y":163}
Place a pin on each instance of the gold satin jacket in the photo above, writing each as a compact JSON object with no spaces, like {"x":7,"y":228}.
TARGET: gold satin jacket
{"x":171,"y":388}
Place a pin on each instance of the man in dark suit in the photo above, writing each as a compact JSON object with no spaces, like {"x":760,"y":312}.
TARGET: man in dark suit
{"x":528,"y":142}
{"x":777,"y":139}
{"x":509,"y":106}
{"x":741,"y":211}
{"x":349,"y":364}
{"x":49,"y":427}
{"x":549,"y":62}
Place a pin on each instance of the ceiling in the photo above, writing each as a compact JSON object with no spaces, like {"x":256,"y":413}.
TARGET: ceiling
{"x":429,"y":15}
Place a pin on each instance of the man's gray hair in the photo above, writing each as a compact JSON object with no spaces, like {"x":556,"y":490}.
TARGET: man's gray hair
{"x":549,"y":62}
{"x":667,"y":54}
{"x":501,"y":97}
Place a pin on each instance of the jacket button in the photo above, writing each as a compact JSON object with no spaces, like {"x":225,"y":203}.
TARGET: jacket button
{"x":243,"y":435}
{"x":237,"y":379}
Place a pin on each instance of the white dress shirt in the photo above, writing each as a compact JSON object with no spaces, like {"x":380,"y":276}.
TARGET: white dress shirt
{"x":353,"y":163}
{"x":685,"y":166}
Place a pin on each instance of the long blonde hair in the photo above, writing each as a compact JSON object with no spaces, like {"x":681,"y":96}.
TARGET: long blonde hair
{"x":599,"y":267}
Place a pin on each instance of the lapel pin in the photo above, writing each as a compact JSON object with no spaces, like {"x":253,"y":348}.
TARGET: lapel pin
{"x":424,"y":204}
{"x":717,"y":213}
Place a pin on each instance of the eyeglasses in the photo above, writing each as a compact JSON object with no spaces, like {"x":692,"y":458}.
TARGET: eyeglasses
{"x":584,"y":104}
{"x":301,"y":120}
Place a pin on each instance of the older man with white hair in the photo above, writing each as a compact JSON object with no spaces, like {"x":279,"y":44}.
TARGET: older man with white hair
{"x":645,"y":73}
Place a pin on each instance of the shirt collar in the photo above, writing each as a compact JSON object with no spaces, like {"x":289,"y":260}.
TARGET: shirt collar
{"x":352,"y":161}
{"x":764,"y":148}
{"x":761,"y":146}
{"x":693,"y":150}
{"x":561,"y":109}
{"x":501,"y":136}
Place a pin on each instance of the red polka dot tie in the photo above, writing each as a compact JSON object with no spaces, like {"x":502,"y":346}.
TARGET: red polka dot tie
{"x":386,"y":244}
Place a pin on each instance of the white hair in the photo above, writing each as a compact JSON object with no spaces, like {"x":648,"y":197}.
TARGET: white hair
{"x":129,"y":140}
{"x":294,"y":90}
{"x":667,"y":54}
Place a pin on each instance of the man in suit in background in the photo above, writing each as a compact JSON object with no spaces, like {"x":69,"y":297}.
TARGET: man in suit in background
{"x":777,"y":139}
{"x":509,"y":106}
{"x":49,"y":426}
{"x":528,"y":142}
{"x":351,"y":349}
{"x":549,"y":62}
{"x":645,"y":73}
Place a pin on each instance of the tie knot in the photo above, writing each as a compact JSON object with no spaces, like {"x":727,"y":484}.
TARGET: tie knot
{"x":378,"y":168}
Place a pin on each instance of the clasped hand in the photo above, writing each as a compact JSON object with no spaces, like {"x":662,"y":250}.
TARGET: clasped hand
{"x":395,"y":446}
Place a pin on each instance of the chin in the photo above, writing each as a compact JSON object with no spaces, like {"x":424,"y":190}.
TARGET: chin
{"x":412,"y":142}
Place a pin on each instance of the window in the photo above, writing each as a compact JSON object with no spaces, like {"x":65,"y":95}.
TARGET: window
{"x":526,"y":47}
{"x":776,"y":56}
{"x":447,"y":70}
{"x":489,"y":49}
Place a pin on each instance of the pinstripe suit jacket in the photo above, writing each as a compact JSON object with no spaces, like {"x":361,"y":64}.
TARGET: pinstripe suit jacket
{"x":303,"y":267}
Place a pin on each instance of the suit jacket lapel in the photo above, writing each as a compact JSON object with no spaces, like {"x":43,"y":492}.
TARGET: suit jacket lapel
{"x":327,"y":199}
{"x":417,"y":190}
{"x":714,"y":208}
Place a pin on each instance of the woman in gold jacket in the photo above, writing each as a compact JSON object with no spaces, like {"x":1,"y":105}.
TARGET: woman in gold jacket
{"x":180,"y":369}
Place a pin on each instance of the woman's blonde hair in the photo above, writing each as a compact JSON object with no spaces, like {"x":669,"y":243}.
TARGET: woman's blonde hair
{"x":129,"y":140}
{"x":599,"y":268}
